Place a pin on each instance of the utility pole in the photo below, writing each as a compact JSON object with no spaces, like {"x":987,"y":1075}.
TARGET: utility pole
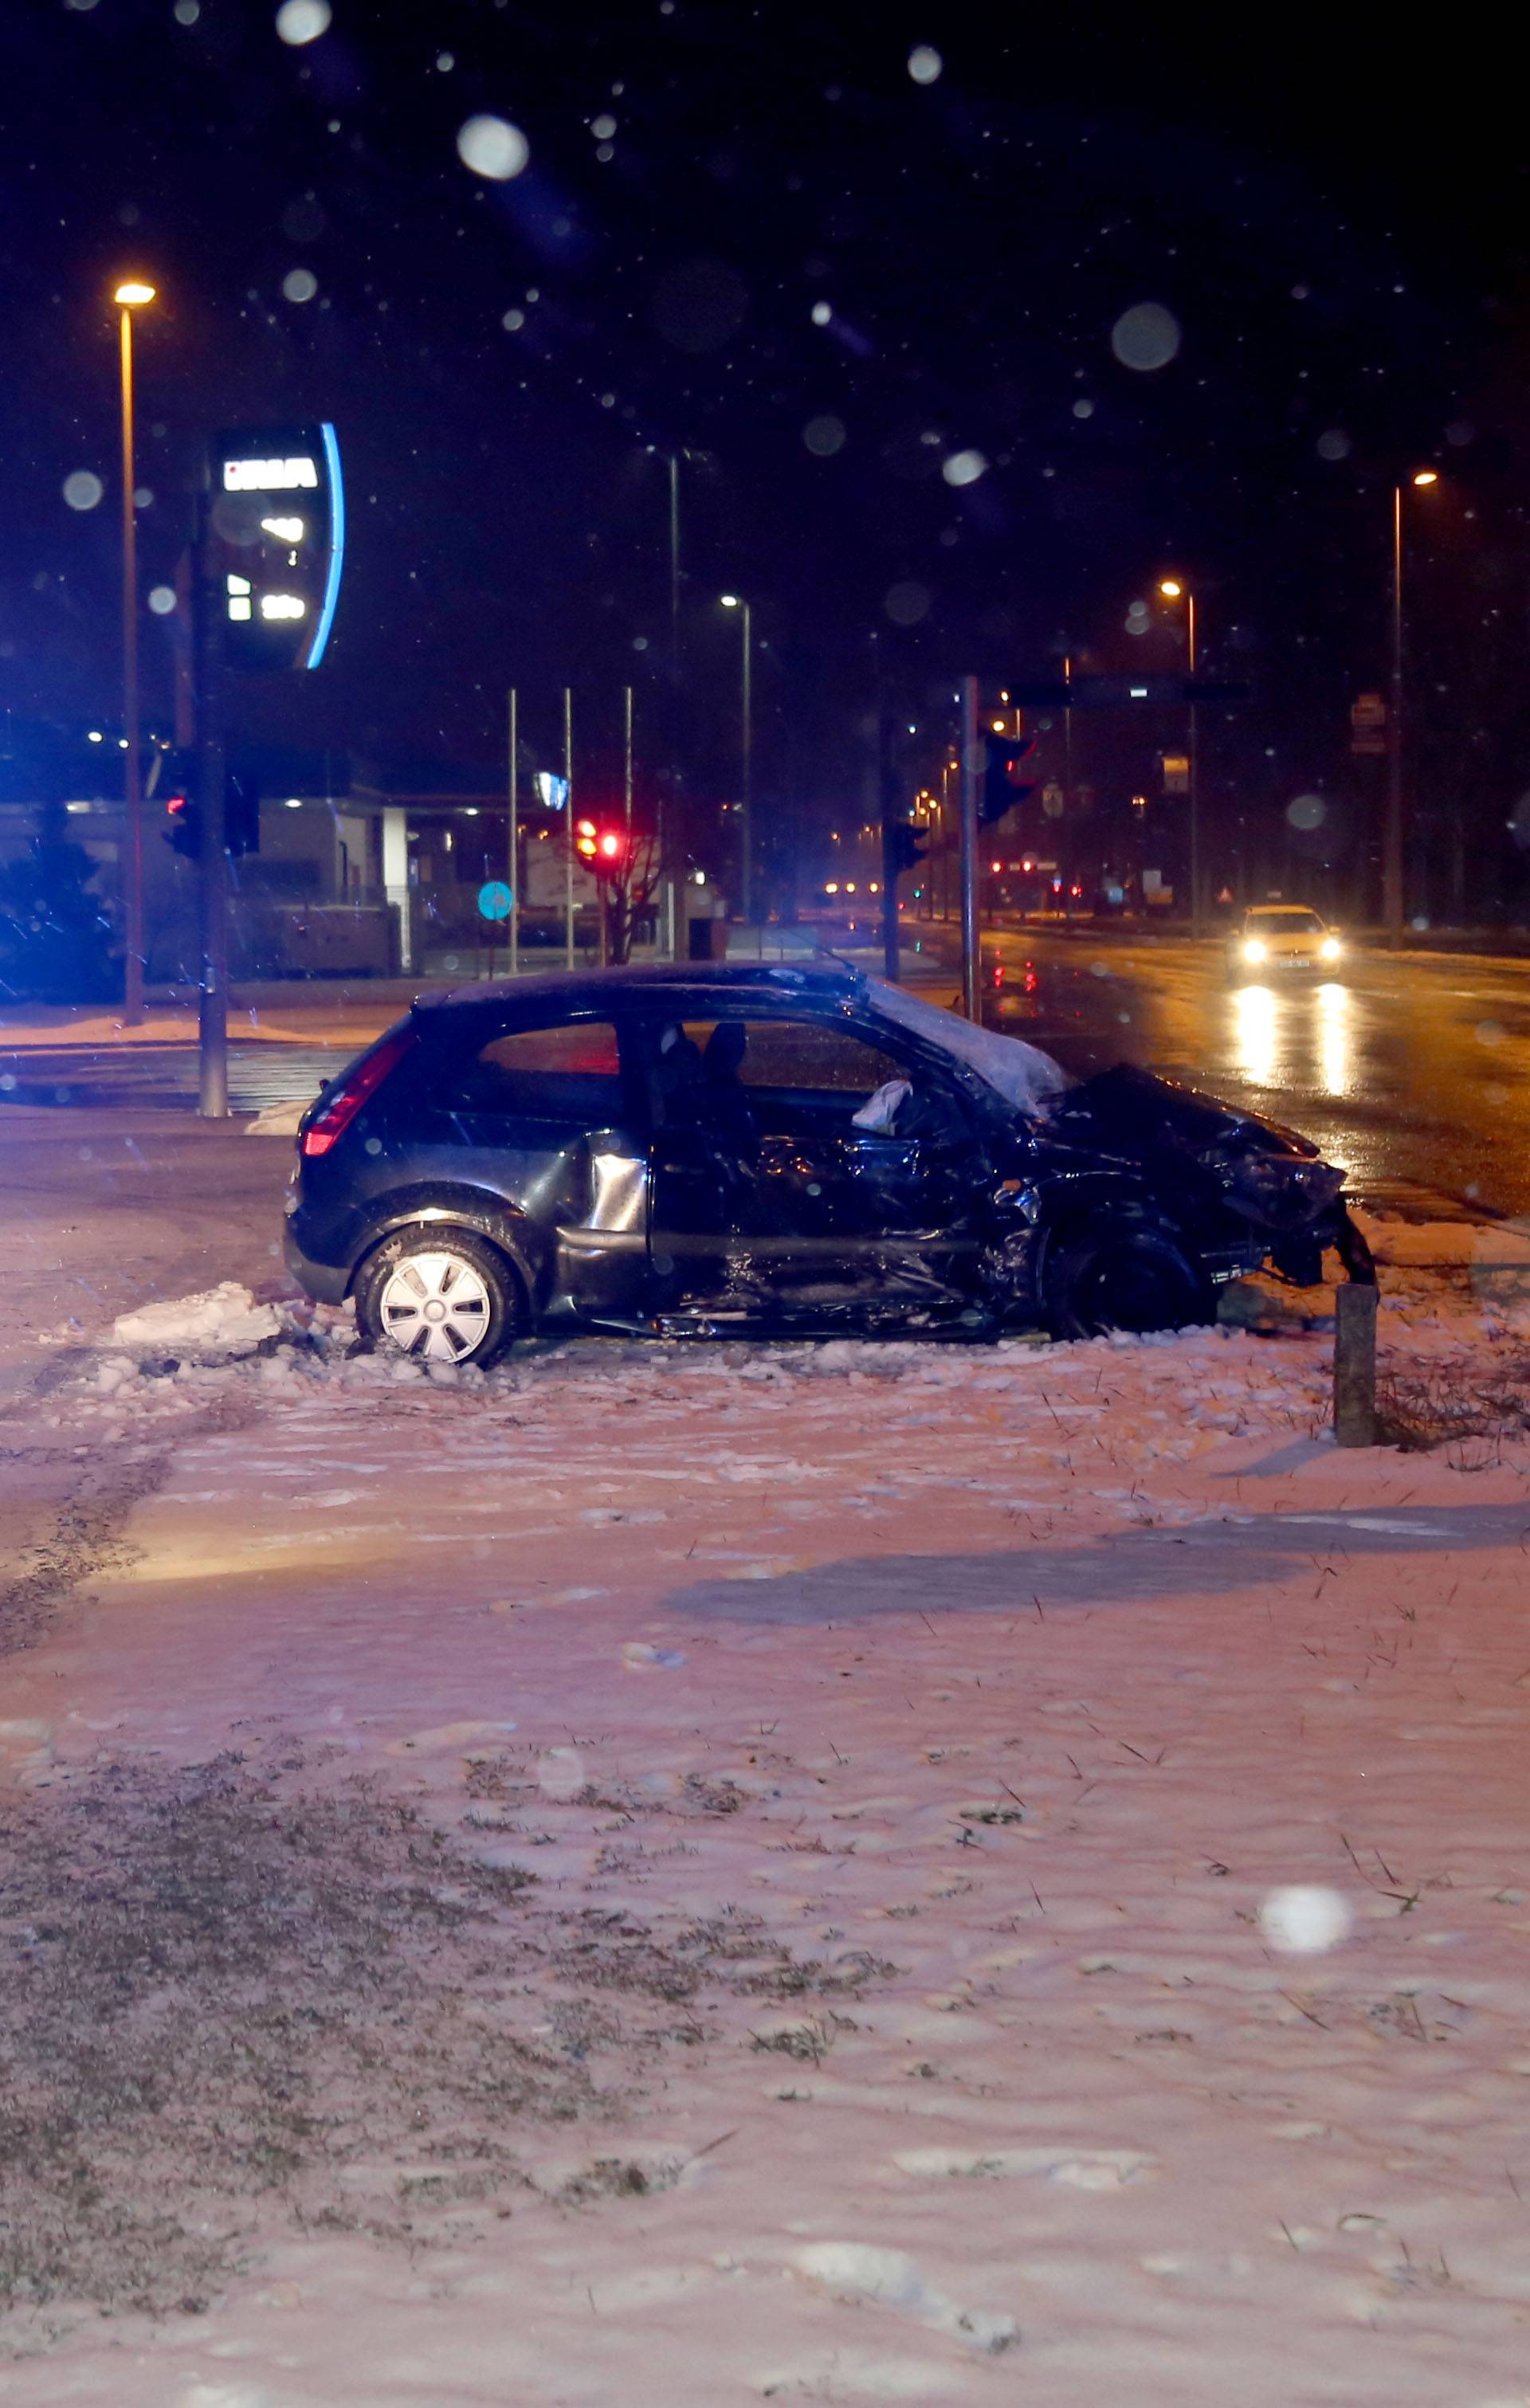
{"x":887,"y":784}
{"x":129,"y":296}
{"x":974,"y":762}
{"x":569,"y":826}
{"x":513,"y":847}
{"x":1392,"y":834}
{"x":212,"y":864}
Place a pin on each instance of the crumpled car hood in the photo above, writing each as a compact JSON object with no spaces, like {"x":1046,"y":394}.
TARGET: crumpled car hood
{"x":1130,"y":1111}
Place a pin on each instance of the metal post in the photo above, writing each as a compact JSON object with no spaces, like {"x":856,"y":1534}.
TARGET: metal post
{"x":1195,"y":796}
{"x":212,"y":884}
{"x":514,"y":847}
{"x":887,"y":790}
{"x":132,"y":922}
{"x":674,"y":560}
{"x":973,"y":762}
{"x":568,"y":826}
{"x":745,"y":765}
{"x":1355,"y":1364}
{"x":627,"y":769}
{"x":1391,"y":836}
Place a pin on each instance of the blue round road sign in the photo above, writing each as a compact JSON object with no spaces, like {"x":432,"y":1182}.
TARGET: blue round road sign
{"x":495,"y":901}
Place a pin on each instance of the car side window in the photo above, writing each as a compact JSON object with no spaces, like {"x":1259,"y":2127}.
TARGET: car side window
{"x":804,"y":1056}
{"x":569,"y":1070}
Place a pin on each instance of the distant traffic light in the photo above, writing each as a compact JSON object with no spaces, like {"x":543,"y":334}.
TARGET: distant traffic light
{"x":1003,"y":786}
{"x":177,"y":783}
{"x":903,"y":848}
{"x":605,"y":848}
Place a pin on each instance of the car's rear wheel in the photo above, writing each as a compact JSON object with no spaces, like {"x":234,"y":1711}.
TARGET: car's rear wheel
{"x":1109,"y":1275}
{"x":439,"y":1295}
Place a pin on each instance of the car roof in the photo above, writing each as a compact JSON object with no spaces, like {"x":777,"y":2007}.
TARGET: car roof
{"x":690,"y":984}
{"x":1281,"y":911}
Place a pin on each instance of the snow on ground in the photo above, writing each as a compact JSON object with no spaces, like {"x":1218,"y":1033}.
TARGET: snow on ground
{"x":679,"y":1875}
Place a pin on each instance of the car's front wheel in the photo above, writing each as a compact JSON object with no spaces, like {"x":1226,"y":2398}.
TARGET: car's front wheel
{"x":439,"y":1296}
{"x":1109,"y":1275}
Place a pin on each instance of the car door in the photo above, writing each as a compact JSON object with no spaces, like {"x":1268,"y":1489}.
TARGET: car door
{"x":545,"y":1112}
{"x":769,"y":1204}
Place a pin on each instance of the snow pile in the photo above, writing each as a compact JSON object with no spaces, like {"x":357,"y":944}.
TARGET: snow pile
{"x":212,"y":1326}
{"x":278,"y":1120}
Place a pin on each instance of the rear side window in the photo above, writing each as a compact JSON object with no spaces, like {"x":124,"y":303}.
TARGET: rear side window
{"x":570,"y":1071}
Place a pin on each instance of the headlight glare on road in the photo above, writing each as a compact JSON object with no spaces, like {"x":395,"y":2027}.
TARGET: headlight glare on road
{"x":1254,"y":949}
{"x":1330,"y":949}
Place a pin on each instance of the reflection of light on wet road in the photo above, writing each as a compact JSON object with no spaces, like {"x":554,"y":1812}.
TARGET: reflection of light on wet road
{"x":1254,"y":1032}
{"x":1335,"y":1058}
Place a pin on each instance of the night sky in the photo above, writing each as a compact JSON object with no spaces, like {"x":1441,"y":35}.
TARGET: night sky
{"x":829,"y":281}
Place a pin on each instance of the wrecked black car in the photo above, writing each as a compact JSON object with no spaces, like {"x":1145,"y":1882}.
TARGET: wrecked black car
{"x":773,"y":1150}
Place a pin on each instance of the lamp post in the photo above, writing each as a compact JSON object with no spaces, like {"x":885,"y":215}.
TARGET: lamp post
{"x":1392,"y":834}
{"x":1174,"y":589}
{"x":133,"y":294}
{"x":736,"y":602}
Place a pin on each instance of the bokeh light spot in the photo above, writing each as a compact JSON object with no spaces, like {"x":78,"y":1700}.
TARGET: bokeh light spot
{"x":301,"y":20}
{"x":1334,"y":444}
{"x":1306,"y":811}
{"x":907,"y":603}
{"x":963,"y":467}
{"x":825,"y":437}
{"x":162,"y":600}
{"x":493,"y":147}
{"x":1145,"y":337}
{"x":925,"y":64}
{"x":299,"y":284}
{"x":83,"y":489}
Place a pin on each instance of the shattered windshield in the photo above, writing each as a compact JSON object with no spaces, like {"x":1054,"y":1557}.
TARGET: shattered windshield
{"x":1021,"y":1073}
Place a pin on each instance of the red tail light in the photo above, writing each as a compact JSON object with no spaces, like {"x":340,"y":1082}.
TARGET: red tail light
{"x":335,"y":1116}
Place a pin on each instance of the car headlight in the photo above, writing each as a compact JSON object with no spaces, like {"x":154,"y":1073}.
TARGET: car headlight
{"x":1254,"y":949}
{"x":1330,"y":949}
{"x":1282,"y":1190}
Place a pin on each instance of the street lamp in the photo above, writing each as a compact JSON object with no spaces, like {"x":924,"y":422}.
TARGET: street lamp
{"x":1174,"y":589}
{"x":133,"y":294}
{"x":1391,"y":836}
{"x":736,"y":602}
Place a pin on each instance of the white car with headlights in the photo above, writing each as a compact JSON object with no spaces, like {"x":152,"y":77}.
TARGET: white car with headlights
{"x":1273,"y":938}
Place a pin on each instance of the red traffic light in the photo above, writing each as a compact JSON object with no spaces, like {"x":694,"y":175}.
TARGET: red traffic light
{"x":611,"y":846}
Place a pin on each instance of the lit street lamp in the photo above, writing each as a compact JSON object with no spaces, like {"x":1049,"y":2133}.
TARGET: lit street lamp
{"x":736,"y":602}
{"x":1174,"y":589}
{"x":1391,"y":836}
{"x":132,"y":295}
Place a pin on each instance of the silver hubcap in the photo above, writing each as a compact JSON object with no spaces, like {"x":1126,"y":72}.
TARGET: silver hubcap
{"x":436,"y":1307}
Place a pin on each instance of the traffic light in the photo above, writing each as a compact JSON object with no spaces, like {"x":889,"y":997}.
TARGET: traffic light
{"x":1003,"y":786}
{"x":177,"y":783}
{"x":603,"y":848}
{"x":903,"y":848}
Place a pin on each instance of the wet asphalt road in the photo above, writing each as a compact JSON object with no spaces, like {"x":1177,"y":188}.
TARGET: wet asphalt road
{"x":1412,"y":1071}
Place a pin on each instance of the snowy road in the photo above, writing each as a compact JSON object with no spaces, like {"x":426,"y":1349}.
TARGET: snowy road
{"x":903,"y":1745}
